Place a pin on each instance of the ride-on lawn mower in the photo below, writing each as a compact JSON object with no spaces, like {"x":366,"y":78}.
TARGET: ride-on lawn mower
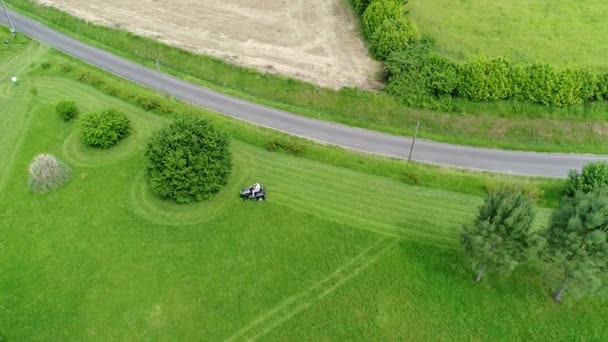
{"x":246,"y":193}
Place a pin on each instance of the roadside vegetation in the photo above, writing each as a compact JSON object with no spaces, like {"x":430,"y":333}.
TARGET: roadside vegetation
{"x":417,"y":73}
{"x":505,"y":124}
{"x":105,"y":258}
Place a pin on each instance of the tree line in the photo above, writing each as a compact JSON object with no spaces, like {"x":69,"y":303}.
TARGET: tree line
{"x":575,"y":241}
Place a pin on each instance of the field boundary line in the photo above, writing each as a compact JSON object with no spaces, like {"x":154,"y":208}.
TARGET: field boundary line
{"x":297,"y":303}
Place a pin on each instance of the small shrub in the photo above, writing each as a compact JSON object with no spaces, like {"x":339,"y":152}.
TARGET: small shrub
{"x":392,"y":35}
{"x":295,"y":148}
{"x":417,"y":73}
{"x":110,"y":90}
{"x":67,"y":110}
{"x":273,"y":146}
{"x":148,"y":103}
{"x":485,"y":79}
{"x":594,"y":176}
{"x":83,"y":77}
{"x":46,"y":173}
{"x":104,"y":129}
{"x":292,"y":147}
{"x":378,"y":12}
{"x":410,"y":178}
{"x":65,"y":68}
{"x":45,"y":65}
{"x":90,"y":78}
{"x":442,"y":75}
{"x":188,"y":160}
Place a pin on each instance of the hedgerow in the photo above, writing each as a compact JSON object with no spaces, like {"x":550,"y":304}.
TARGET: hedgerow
{"x":417,"y":70}
{"x":483,"y":79}
{"x":386,"y":27}
{"x":417,"y":74}
{"x":392,"y":35}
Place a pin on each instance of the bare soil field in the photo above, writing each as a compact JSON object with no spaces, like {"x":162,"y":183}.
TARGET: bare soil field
{"x":313,"y":40}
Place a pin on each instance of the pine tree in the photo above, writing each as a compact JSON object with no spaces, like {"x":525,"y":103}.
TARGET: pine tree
{"x":577,"y":240}
{"x":501,"y":236}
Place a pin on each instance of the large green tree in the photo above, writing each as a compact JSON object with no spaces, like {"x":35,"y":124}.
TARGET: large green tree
{"x":189,"y":160}
{"x":501,"y":236}
{"x":577,"y":240}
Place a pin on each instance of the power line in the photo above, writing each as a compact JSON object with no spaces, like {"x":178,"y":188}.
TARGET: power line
{"x":10,"y":22}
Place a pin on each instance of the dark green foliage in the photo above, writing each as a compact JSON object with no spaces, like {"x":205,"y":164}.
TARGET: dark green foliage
{"x":411,"y":178}
{"x":104,"y":129}
{"x":442,"y":75}
{"x":418,"y":72}
{"x":361,"y":5}
{"x":67,"y":110}
{"x":577,"y":240}
{"x":593,"y":176}
{"x":148,"y":103}
{"x":484,"y":79}
{"x":501,"y":236}
{"x":392,"y":35}
{"x":602,"y":86}
{"x":188,"y":161}
{"x":45,"y":65}
{"x":287,"y":145}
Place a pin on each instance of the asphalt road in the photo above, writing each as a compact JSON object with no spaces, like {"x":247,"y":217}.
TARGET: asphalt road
{"x":512,"y":162}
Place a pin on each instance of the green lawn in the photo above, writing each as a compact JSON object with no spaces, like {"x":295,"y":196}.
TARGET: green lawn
{"x":559,"y":31}
{"x":507,"y":124}
{"x":323,"y":258}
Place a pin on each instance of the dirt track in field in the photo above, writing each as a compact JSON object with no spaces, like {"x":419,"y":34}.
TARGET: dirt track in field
{"x":314,"y":40}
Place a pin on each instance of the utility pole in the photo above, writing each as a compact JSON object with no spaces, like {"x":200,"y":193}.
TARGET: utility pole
{"x":160,"y":75}
{"x":409,"y":158}
{"x":10,"y":22}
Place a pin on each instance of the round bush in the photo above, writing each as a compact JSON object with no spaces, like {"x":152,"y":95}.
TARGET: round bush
{"x":378,"y":12}
{"x":67,"y":110}
{"x":484,"y":79}
{"x":392,"y":35}
{"x":47,"y":173}
{"x":104,"y":129}
{"x":188,"y":160}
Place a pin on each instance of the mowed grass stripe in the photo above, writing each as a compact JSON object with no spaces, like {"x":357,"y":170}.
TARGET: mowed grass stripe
{"x":369,"y":202}
{"x":352,"y":178}
{"x":372,"y":208}
{"x":349,"y":180}
{"x":362,"y":197}
{"x":408,"y":230}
